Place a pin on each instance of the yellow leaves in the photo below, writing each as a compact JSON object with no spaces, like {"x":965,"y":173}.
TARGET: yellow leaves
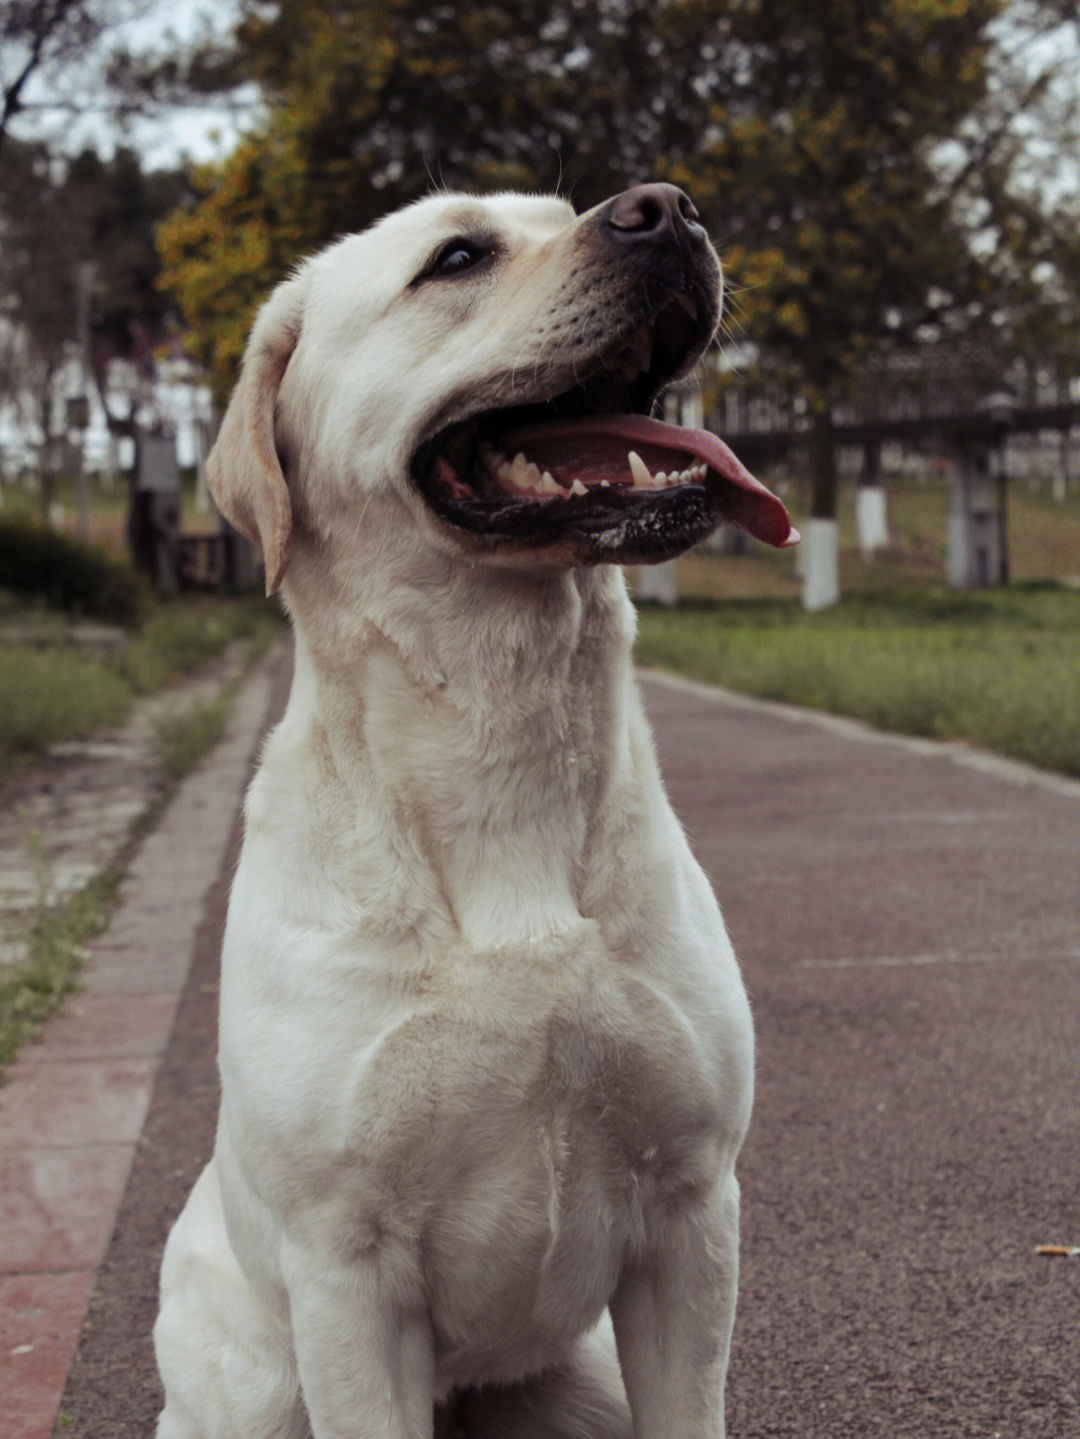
{"x":791,"y":317}
{"x":220,"y":258}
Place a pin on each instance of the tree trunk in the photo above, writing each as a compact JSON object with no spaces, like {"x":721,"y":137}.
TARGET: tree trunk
{"x":823,"y":467}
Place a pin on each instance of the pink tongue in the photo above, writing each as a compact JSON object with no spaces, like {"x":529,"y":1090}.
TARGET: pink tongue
{"x":594,"y":447}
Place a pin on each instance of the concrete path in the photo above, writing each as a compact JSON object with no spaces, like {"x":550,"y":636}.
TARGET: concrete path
{"x":909,"y":922}
{"x":72,"y":1106}
{"x":908,"y":918}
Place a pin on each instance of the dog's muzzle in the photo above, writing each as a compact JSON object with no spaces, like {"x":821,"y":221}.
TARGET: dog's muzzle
{"x":586,"y":475}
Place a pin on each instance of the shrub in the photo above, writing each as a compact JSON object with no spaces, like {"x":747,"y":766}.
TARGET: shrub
{"x":67,"y":575}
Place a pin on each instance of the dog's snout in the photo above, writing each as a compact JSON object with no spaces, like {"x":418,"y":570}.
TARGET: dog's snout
{"x":653,"y":213}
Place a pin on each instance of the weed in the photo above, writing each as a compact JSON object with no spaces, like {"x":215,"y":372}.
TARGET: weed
{"x":183,"y":738}
{"x":35,"y":987}
{"x":62,"y":693}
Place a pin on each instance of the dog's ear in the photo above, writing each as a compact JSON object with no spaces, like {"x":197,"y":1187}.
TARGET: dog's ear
{"x":243,"y":469}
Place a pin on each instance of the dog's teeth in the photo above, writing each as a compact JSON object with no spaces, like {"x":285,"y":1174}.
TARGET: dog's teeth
{"x":640,"y":471}
{"x":605,"y":484}
{"x":659,"y":478}
{"x":517,"y":472}
{"x":577,"y":488}
{"x":545,"y":485}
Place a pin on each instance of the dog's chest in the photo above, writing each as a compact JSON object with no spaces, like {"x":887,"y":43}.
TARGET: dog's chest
{"x":531,"y":1135}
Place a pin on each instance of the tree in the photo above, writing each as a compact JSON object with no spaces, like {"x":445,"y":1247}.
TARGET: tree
{"x":849,"y":155}
{"x":838,"y":225}
{"x":77,"y":234}
{"x":35,"y":37}
{"x":867,"y":187}
{"x":372,"y":104}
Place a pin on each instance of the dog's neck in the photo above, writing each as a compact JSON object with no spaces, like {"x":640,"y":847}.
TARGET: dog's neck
{"x":482,"y":715}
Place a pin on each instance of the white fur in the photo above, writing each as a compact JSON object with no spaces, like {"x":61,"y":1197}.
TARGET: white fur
{"x":486,"y":1056}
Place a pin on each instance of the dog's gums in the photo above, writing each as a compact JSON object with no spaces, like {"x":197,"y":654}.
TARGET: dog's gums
{"x":628,"y":454}
{"x":583,"y":471}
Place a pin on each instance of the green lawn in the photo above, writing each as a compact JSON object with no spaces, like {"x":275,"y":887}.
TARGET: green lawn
{"x":1000,"y":669}
{"x":55,"y":690}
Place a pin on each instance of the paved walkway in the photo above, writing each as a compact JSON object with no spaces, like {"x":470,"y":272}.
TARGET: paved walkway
{"x":908,"y":917}
{"x":72,"y":1106}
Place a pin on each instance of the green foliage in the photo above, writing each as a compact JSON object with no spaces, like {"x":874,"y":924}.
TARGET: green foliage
{"x":842,"y":235}
{"x":81,"y":581}
{"x":375,"y":104}
{"x":1000,"y":670}
{"x":811,"y":137}
{"x":256,"y":215}
{"x":184,"y":737}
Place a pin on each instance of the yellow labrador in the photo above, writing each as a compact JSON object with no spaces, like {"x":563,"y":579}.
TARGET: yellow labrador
{"x":486,"y":1057}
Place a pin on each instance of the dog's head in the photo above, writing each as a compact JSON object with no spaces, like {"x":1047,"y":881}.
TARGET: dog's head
{"x":488,"y":368}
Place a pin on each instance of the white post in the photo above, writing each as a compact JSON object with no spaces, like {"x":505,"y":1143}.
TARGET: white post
{"x":820,"y":564}
{"x":871,"y":519}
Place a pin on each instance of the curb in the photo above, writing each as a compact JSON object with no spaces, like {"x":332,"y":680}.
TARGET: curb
{"x":1014,"y":771}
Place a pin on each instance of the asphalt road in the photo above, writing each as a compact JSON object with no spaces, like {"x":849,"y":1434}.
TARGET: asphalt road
{"x":909,"y":925}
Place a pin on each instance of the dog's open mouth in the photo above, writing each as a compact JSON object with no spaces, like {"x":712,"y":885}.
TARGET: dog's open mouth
{"x":589,"y":475}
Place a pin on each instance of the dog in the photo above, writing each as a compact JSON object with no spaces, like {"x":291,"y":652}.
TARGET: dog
{"x":486,"y":1056}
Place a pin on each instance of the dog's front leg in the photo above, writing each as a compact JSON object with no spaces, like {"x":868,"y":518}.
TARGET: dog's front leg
{"x":673,"y":1313}
{"x":365,"y":1354}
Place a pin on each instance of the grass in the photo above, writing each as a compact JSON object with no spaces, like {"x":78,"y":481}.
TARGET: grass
{"x":48,"y":699}
{"x":999,"y":669}
{"x":58,"y":691}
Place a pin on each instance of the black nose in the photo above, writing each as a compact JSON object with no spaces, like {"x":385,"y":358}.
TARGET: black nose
{"x":653,"y":213}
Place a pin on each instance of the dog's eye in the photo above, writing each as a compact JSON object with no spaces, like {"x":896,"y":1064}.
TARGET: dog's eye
{"x":457,"y":257}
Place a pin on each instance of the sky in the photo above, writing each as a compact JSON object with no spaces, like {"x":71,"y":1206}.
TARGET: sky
{"x":208,"y":131}
{"x":67,"y":103}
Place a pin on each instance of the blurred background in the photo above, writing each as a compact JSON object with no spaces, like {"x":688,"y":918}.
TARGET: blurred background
{"x":895,"y":193}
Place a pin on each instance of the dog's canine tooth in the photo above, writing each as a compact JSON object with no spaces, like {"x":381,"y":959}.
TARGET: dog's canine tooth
{"x":517,"y":474}
{"x":640,"y":471}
